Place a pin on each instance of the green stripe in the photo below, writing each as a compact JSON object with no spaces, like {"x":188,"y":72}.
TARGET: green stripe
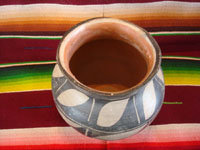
{"x":23,"y":74}
{"x":172,"y":102}
{"x":60,"y":37}
{"x":31,"y":37}
{"x":5,"y":79}
{"x":20,"y":72}
{"x":26,"y":80}
{"x":171,"y":68}
{"x":182,"y":68}
{"x":177,"y":64}
{"x":174,"y":34}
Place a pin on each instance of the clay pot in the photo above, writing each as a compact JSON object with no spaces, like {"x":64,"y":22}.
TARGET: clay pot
{"x":108,"y":83}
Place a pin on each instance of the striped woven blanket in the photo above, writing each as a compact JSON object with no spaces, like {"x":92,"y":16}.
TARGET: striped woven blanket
{"x":30,"y":32}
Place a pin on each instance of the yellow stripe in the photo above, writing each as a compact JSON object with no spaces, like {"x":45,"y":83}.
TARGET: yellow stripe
{"x":182,"y":80}
{"x":30,"y":86}
{"x":45,"y":84}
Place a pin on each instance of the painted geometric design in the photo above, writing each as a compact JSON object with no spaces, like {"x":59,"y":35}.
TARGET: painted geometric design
{"x":149,"y":100}
{"x":72,"y":97}
{"x":160,"y":75}
{"x":75,"y":125}
{"x":57,"y":72}
{"x":109,"y":111}
{"x":105,"y":119}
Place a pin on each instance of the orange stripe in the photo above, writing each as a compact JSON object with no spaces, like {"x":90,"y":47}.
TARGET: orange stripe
{"x":156,"y":17}
{"x":36,"y":27}
{"x":64,"y":20}
{"x":166,"y":23}
{"x":47,"y":20}
{"x":63,"y":25}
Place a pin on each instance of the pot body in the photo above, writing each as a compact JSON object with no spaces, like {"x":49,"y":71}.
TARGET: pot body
{"x":103,"y":119}
{"x":113,"y":118}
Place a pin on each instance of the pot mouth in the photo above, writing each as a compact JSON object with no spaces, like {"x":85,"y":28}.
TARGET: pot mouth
{"x":113,"y":29}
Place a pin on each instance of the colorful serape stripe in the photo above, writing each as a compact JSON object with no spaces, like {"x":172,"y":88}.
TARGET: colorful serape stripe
{"x":37,"y":75}
{"x":30,"y":32}
{"x":67,"y":138}
{"x":55,"y":19}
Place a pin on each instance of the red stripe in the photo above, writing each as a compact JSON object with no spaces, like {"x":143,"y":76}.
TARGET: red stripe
{"x":56,"y":146}
{"x":173,"y":28}
{"x":12,"y":116}
{"x":112,"y":146}
{"x":80,"y":2}
{"x":38,"y":33}
{"x":180,"y":45}
{"x":180,"y":113}
{"x":20,"y":50}
{"x":153,"y":144}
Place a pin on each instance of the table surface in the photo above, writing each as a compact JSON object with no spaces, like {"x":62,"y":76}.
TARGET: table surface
{"x":30,"y":32}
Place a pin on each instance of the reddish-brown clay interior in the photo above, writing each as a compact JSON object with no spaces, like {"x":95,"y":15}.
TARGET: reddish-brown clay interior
{"x":108,"y":65}
{"x":108,"y":56}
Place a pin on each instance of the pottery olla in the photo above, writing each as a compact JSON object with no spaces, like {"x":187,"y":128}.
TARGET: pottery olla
{"x":108,"y":83}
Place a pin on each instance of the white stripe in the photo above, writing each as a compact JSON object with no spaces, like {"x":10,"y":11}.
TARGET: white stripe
{"x":61,"y":85}
{"x":50,"y":10}
{"x":155,"y":8}
{"x":92,"y":107}
{"x":27,"y":63}
{"x":177,"y":57}
{"x":86,"y":132}
{"x":138,"y":118}
{"x":88,"y":11}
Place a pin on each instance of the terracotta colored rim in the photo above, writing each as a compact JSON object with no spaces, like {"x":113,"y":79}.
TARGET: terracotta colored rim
{"x":110,"y":95}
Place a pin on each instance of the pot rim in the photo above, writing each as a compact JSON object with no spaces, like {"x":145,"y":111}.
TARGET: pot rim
{"x":111,"y":95}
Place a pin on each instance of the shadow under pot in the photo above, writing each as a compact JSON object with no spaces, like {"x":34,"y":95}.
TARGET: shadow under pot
{"x":108,"y":83}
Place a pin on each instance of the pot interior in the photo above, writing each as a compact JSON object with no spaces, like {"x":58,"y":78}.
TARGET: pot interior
{"x":108,"y":65}
{"x":107,"y":55}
